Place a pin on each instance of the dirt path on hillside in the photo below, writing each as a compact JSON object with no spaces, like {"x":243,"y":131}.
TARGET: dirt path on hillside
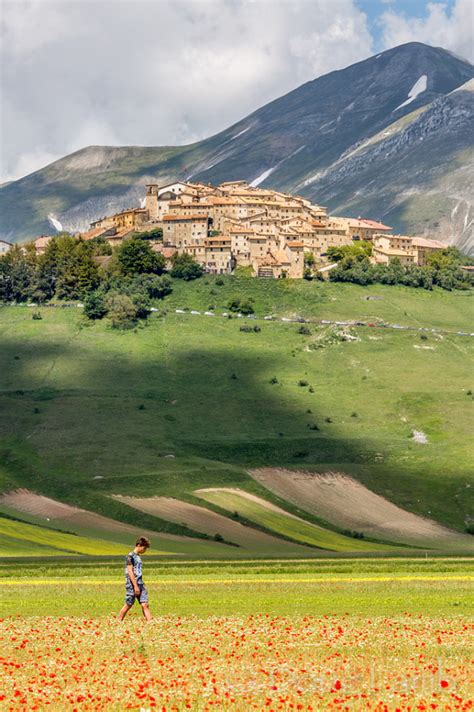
{"x":346,"y":503}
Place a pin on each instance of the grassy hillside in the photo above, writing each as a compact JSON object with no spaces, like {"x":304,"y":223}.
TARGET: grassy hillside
{"x":190,"y":401}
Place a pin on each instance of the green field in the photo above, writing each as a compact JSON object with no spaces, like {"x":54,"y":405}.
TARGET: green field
{"x":188,"y":402}
{"x":31,"y":540}
{"x":359,"y":587}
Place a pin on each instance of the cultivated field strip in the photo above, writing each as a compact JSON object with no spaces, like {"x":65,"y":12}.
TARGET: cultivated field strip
{"x":276,"y":519}
{"x":208,"y":522}
{"x":348,"y":504}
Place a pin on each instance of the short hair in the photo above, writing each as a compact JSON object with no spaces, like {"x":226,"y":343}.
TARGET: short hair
{"x":143,"y":541}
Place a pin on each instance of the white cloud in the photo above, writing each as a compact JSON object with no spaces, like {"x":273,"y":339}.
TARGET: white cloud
{"x":440,"y":28}
{"x":153,"y":73}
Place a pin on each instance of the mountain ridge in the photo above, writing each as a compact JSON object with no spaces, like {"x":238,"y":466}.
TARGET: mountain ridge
{"x":299,"y":142}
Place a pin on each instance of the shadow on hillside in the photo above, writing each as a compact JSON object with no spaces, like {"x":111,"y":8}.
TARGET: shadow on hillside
{"x":215,"y":404}
{"x":78,"y":422}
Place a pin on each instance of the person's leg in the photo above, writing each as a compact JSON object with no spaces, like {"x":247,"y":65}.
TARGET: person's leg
{"x":146,"y":612}
{"x":144,"y":602}
{"x":124,"y":611}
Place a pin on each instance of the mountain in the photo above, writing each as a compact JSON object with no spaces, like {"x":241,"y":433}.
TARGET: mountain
{"x":388,"y":138}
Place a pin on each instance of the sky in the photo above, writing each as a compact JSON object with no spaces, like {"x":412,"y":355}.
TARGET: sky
{"x":76,"y":73}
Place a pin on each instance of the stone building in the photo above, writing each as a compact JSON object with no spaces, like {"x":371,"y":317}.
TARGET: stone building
{"x":236,"y":224}
{"x":4,"y":247}
{"x":408,"y":250}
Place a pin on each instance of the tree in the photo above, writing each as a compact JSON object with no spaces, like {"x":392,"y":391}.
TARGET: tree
{"x":309,"y":259}
{"x":356,"y":249}
{"x":135,"y":256}
{"x":184,"y":267}
{"x":121,"y":310}
{"x":101,"y":246}
{"x":155,"y":234}
{"x":67,"y":269}
{"x":156,"y":286}
{"x":95,"y":305}
{"x":17,"y":274}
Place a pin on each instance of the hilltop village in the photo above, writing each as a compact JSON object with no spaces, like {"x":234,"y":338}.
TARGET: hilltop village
{"x":237,"y":225}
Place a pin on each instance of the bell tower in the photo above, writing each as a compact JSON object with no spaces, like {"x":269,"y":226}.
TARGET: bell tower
{"x":151,"y":201}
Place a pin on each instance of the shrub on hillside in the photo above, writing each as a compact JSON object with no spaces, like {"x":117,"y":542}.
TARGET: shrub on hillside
{"x":121,"y":310}
{"x":156,"y":286}
{"x":94,"y":305}
{"x":242,"y":306}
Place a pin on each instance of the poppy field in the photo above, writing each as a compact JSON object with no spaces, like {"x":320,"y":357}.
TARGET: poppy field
{"x":325,"y":635}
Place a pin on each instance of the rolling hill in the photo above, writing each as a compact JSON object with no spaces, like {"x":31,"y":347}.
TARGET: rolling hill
{"x":208,"y":438}
{"x":389,"y":137}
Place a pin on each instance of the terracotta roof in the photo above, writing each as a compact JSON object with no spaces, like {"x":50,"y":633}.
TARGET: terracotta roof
{"x":130,"y":210}
{"x":282,"y":257}
{"x":121,"y":233}
{"x":363,"y":223}
{"x":95,"y":232}
{"x":375,"y":225}
{"x":392,"y":251}
{"x":295,"y":243}
{"x":423,"y":242}
{"x":193,"y":216}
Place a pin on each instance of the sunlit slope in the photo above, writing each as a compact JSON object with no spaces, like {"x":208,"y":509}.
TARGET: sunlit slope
{"x":205,"y":520}
{"x":347,"y":504}
{"x":48,"y":515}
{"x":275,"y":519}
{"x":20,"y":538}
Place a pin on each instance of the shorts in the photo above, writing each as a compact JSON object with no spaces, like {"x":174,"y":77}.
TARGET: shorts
{"x":130,"y":597}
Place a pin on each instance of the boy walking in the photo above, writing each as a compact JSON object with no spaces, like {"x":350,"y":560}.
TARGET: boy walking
{"x":134,"y":586}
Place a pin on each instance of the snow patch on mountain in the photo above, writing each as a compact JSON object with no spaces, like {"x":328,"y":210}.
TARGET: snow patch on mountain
{"x":240,"y":133}
{"x":418,"y":88}
{"x":263,"y":176}
{"x":55,"y":222}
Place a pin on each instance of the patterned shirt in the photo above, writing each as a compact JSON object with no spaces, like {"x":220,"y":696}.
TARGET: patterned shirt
{"x":134,"y":560}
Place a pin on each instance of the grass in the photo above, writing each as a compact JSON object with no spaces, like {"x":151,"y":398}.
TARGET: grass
{"x":287,"y":526}
{"x":356,"y":587}
{"x":71,"y":391}
{"x":27,"y":538}
{"x":394,"y":304}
